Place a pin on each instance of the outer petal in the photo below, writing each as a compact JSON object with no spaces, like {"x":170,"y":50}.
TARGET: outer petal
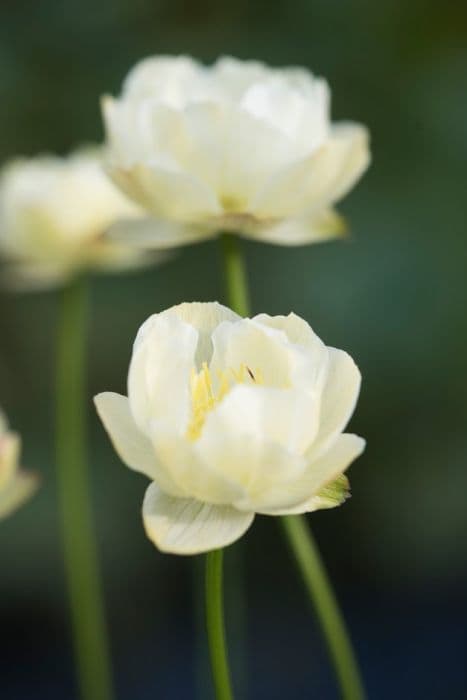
{"x":159,"y":375}
{"x":158,"y":233}
{"x":21,"y":487}
{"x":339,"y":398}
{"x":185,"y":526}
{"x":318,"y":180}
{"x":132,"y":446}
{"x":10,"y":445}
{"x":195,"y":476}
{"x":314,"y":228}
{"x":166,"y":193}
{"x":300,"y":496}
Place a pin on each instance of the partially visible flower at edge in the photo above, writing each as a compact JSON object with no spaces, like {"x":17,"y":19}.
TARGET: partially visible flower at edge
{"x":230,"y":417}
{"x":54,"y":212}
{"x":236,"y":146}
{"x":16,"y":485}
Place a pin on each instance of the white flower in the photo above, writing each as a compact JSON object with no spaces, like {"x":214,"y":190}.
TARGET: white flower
{"x":16,"y":486}
{"x":53,"y":214}
{"x":230,"y":417}
{"x":237,"y":146}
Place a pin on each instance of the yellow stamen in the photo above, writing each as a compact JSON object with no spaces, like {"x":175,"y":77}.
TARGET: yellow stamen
{"x":204,"y":396}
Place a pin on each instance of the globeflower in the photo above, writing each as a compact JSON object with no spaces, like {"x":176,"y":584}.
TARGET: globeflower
{"x":237,"y":146}
{"x":16,"y":485}
{"x":229,"y":417}
{"x":53,"y":215}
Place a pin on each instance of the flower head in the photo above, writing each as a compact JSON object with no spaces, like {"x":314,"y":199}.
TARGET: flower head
{"x":230,"y":417}
{"x":16,"y":486}
{"x":53,"y":214}
{"x":236,"y":146}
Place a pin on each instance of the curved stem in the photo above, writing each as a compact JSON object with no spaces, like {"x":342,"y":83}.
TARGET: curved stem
{"x":299,"y":536}
{"x":215,"y":625}
{"x":319,"y":587}
{"x":79,"y":538}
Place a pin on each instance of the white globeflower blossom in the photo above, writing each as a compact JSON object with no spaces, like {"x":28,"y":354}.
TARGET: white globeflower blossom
{"x":230,"y":417}
{"x":16,"y":485}
{"x":237,"y":146}
{"x":54,"y":213}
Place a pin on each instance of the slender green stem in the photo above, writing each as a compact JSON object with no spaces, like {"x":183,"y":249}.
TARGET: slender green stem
{"x":79,"y":538}
{"x":236,"y":282}
{"x":327,"y":609}
{"x":215,"y":625}
{"x":299,"y":536}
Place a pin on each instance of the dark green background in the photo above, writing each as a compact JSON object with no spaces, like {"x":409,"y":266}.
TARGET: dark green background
{"x":393,"y":296}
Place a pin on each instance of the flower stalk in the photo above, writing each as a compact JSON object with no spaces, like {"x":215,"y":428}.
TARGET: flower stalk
{"x":215,"y":625}
{"x":298,"y":535}
{"x":78,"y":534}
{"x":319,"y":587}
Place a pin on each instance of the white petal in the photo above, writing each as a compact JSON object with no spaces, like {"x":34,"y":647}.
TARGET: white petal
{"x":339,"y":398}
{"x":298,"y":331}
{"x":157,"y":233}
{"x":232,"y":151}
{"x":314,"y":228}
{"x":172,"y":79}
{"x":269,"y":355}
{"x":301,"y":495}
{"x":195,"y":476}
{"x":160,"y":369}
{"x":10,"y":445}
{"x":204,"y":317}
{"x":286,"y":417}
{"x":166,"y":193}
{"x":185,"y":526}
{"x":132,"y":446}
{"x":18,"y":490}
{"x":318,"y":180}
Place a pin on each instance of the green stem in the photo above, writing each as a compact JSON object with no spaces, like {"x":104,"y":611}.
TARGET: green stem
{"x":236,"y":282}
{"x":215,"y":625}
{"x":300,"y":538}
{"x":319,"y":587}
{"x":79,"y":538}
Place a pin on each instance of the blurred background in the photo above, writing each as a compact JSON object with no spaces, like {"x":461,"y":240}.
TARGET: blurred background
{"x":393,"y":295}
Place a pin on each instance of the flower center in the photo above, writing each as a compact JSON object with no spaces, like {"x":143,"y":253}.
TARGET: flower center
{"x":205,"y":396}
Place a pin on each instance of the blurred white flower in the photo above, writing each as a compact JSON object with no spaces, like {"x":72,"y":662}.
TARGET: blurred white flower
{"x":54,"y":213}
{"x":237,"y":146}
{"x":16,"y":485}
{"x":230,"y":417}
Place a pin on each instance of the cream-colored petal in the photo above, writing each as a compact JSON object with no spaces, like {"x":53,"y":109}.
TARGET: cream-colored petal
{"x":10,"y":445}
{"x":300,"y":496}
{"x":339,"y":398}
{"x":287,"y":417}
{"x":256,"y":463}
{"x":204,"y":317}
{"x":160,"y":369}
{"x":169,"y":194}
{"x":268,"y":354}
{"x":319,"y":180}
{"x":186,"y":526}
{"x":195,"y":476}
{"x":132,"y":446}
{"x":171,"y":79}
{"x":297,"y":330}
{"x":160,"y":234}
{"x":264,"y":351}
{"x":232,"y":151}
{"x":17,"y":491}
{"x":313,"y":228}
